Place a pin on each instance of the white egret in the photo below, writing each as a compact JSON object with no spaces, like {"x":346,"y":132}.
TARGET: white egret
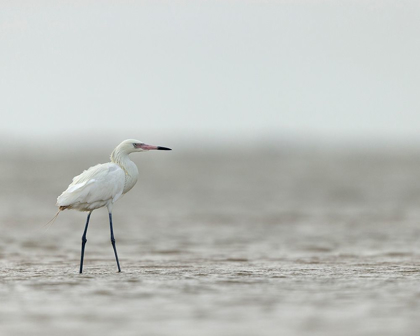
{"x":102,"y":185}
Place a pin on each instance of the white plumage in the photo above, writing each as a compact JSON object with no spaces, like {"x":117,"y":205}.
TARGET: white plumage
{"x":103,"y":184}
{"x":99,"y":186}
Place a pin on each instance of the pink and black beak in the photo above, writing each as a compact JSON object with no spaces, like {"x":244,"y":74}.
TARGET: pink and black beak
{"x":150,"y":147}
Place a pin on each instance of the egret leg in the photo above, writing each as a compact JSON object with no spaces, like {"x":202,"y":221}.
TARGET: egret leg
{"x":113,"y":242}
{"x":84,"y":240}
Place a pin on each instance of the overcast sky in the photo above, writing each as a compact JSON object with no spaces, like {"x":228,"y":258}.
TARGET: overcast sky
{"x":213,"y":69}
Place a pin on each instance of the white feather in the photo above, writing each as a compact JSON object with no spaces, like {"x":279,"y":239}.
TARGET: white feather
{"x":94,"y":188}
{"x":103,"y":184}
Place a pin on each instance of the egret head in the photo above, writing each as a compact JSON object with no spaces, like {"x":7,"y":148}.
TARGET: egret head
{"x":133,"y":145}
{"x":141,"y":146}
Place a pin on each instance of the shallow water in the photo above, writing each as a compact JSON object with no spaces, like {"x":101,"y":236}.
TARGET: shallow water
{"x":283,"y":242}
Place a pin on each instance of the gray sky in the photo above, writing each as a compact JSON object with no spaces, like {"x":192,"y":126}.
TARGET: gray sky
{"x":213,"y":69}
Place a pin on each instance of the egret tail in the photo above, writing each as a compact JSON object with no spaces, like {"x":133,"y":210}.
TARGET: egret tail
{"x":54,"y":218}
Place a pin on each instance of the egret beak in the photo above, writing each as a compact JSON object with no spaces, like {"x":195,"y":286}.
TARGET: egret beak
{"x":149,"y":147}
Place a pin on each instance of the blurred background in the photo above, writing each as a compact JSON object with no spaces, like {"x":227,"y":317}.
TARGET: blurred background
{"x":189,"y":71}
{"x":290,"y":201}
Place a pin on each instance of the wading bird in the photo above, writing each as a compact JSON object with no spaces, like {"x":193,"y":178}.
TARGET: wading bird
{"x":102,"y":185}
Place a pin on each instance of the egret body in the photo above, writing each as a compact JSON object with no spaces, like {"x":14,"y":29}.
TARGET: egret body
{"x":102,"y":185}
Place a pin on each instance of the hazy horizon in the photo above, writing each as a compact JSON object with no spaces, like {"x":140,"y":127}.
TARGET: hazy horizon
{"x":335,"y":72}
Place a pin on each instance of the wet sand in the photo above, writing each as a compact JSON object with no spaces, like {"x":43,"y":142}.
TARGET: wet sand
{"x":281,"y":242}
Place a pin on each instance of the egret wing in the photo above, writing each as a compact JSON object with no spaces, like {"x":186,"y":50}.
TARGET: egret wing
{"x":95,"y":187}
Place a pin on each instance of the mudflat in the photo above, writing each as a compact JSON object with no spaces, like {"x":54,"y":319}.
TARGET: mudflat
{"x":274,"y":242}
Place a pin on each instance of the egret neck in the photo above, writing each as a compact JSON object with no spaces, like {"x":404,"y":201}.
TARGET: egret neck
{"x":120,"y":156}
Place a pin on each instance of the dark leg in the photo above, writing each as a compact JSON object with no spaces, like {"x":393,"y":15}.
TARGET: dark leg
{"x":113,"y":242}
{"x":84,"y":240}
